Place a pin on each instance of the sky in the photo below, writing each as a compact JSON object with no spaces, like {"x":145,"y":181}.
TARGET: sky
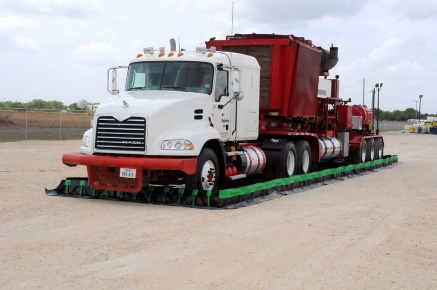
{"x":61,"y":49}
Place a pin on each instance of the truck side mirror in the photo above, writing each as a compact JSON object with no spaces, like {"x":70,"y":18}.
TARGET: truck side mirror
{"x":236,"y":85}
{"x":236,"y":81}
{"x":113,"y":89}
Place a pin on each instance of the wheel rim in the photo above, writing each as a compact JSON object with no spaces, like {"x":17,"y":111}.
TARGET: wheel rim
{"x":305,"y":161}
{"x":380,"y":151}
{"x":207,"y":177}
{"x":372,"y":152}
{"x":363,"y":155}
{"x":290,"y":163}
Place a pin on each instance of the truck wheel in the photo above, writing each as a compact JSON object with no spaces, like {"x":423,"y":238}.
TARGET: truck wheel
{"x":206,"y":177}
{"x":303,"y":157}
{"x":379,"y":148}
{"x":359,"y":155}
{"x":287,"y":166}
{"x":370,"y":155}
{"x":207,"y":171}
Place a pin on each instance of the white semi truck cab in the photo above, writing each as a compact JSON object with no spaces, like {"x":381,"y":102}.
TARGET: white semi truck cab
{"x":177,"y":109}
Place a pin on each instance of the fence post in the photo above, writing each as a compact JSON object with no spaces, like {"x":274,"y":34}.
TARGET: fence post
{"x":26,"y":124}
{"x":60,"y":125}
{"x":25,"y":130}
{"x":60,"y":122}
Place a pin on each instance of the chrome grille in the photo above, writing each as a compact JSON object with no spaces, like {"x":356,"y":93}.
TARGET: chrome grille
{"x":127,"y":135}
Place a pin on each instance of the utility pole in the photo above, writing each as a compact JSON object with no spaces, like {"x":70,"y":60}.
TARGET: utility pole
{"x":364,"y":87}
{"x":378,"y":88}
{"x":420,"y":102}
{"x":373,"y":109}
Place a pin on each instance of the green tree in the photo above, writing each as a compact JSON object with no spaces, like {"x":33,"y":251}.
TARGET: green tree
{"x":37,"y":104}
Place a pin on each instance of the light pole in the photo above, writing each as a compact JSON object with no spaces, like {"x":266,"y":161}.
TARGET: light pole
{"x":378,"y":88}
{"x":420,"y":102}
{"x":415,"y":118}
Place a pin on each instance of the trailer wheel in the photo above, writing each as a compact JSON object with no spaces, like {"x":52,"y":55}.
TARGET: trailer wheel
{"x":379,"y":148}
{"x":303,"y":156}
{"x":359,"y":155}
{"x":287,"y":166}
{"x":370,"y":155}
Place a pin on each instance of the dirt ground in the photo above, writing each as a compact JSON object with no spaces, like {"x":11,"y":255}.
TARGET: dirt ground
{"x":376,"y":231}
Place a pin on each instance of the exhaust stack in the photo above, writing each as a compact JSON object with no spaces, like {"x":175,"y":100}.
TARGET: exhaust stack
{"x":172,"y":44}
{"x":329,"y":59}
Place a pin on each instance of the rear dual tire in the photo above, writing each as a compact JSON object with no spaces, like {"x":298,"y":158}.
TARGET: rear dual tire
{"x":294,"y":159}
{"x":370,"y":149}
{"x":379,"y":148}
{"x":303,"y":156}
{"x":370,"y":154}
{"x":359,"y":155}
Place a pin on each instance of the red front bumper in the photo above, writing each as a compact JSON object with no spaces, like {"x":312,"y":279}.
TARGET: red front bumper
{"x":104,"y":171}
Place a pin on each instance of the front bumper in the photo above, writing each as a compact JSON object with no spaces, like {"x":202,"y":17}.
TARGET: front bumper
{"x":104,"y":171}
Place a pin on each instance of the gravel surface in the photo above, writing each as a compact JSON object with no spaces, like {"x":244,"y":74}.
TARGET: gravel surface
{"x":375,"y":231}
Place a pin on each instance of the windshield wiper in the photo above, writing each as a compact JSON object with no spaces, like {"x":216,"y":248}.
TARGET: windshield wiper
{"x":176,"y":88}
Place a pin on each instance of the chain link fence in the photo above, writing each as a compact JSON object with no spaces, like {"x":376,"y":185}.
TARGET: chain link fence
{"x":29,"y":124}
{"x":25,"y":124}
{"x":387,"y":126}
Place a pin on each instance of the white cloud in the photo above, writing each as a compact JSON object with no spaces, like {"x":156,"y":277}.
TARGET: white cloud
{"x":15,"y":31}
{"x":405,"y":66}
{"x":27,"y":43}
{"x":285,"y":11}
{"x":69,"y":8}
{"x":388,"y":51}
{"x":16,"y":22}
{"x":95,"y":52}
{"x":416,"y":10}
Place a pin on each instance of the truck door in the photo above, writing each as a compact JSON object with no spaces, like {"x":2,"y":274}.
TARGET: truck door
{"x":222,"y":107}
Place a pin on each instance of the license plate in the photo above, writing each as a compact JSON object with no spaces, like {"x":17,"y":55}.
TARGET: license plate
{"x":128,"y":173}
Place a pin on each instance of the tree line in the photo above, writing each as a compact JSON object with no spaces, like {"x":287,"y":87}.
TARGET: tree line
{"x":396,"y":115}
{"x":39,"y":104}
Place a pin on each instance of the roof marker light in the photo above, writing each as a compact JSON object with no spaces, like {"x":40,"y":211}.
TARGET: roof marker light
{"x":201,"y":50}
{"x":161,"y":51}
{"x":180,"y":53}
{"x":148,"y":50}
{"x":139,"y":55}
{"x":171,"y":54}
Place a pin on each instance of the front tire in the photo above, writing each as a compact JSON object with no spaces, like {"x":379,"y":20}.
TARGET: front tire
{"x":206,"y":176}
{"x":207,"y":171}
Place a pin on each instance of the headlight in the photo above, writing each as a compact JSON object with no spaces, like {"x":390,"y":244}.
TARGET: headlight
{"x":85,"y":141}
{"x":178,"y":144}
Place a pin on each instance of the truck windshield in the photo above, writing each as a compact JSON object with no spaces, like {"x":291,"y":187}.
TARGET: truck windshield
{"x":172,"y":76}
